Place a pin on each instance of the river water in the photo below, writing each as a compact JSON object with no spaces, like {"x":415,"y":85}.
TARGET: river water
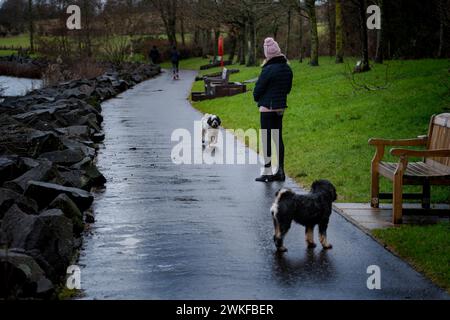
{"x":12,"y":86}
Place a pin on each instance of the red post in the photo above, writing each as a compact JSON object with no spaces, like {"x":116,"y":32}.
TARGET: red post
{"x":221,"y":51}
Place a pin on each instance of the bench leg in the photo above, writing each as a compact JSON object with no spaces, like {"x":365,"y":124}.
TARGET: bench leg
{"x":397,"y":197}
{"x":426,"y":195}
{"x":375,"y":189}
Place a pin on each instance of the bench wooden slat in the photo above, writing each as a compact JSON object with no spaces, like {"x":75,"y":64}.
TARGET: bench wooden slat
{"x":414,"y":169}
{"x":430,"y":171}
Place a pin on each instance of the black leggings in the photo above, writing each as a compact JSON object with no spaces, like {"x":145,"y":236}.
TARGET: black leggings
{"x":175,"y":67}
{"x":271,"y":121}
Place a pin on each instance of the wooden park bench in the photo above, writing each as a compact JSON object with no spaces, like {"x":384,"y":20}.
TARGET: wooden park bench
{"x":433,"y":169}
{"x":216,"y":87}
{"x":211,"y":82}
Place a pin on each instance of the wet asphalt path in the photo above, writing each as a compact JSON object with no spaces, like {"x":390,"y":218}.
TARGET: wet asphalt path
{"x":205,"y":232}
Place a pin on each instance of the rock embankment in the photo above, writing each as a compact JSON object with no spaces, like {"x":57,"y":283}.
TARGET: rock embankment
{"x":48,"y":144}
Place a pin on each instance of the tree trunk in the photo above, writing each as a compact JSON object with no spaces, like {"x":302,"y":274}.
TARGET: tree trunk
{"x":233,"y":45}
{"x":441,"y":11}
{"x":331,"y":29}
{"x":183,"y":37}
{"x":288,"y":36}
{"x":242,"y":44}
{"x":251,"y":59}
{"x":364,"y":38}
{"x":216,"y":44}
{"x":87,"y":32}
{"x":204,"y":42}
{"x":172,"y":31}
{"x":311,"y":7}
{"x":379,"y":56}
{"x":196,"y":36}
{"x":31,"y":22}
{"x":300,"y":35}
{"x":339,"y":33}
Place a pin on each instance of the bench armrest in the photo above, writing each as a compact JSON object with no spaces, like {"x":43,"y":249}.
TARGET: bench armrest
{"x":440,"y":153}
{"x":419,"y":141}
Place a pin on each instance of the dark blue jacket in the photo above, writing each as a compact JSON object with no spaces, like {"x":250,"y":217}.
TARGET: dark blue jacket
{"x":174,"y":56}
{"x":274,"y":84}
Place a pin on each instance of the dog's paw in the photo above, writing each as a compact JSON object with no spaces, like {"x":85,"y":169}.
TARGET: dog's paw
{"x":327,"y":247}
{"x":311,"y":245}
{"x":282,"y":249}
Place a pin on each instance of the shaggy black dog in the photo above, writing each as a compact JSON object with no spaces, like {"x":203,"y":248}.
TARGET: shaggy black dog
{"x":308,"y":210}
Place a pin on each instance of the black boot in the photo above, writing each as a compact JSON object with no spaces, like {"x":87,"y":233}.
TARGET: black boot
{"x":279,"y":176}
{"x":264,"y":178}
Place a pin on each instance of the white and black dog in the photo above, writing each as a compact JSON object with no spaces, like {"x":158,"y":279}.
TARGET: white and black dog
{"x":210,"y":129}
{"x":308,"y":210}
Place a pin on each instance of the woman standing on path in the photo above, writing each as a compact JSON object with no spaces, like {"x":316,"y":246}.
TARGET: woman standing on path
{"x":271,"y":91}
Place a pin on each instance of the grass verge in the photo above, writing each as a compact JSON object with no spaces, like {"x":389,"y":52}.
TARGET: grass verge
{"x":427,"y":248}
{"x":329,"y":121}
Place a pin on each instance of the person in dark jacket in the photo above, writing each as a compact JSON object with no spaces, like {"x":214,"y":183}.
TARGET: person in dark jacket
{"x":271,"y":91}
{"x":175,"y":59}
{"x":154,"y":55}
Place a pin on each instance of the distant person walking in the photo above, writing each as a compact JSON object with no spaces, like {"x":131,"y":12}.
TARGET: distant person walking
{"x":175,"y":59}
{"x":271,"y":91}
{"x":155,"y":56}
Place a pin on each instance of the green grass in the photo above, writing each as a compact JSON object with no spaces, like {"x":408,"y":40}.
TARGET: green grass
{"x":22,"y":40}
{"x":7,"y":52}
{"x":191,"y":64}
{"x":427,"y":248}
{"x":328,"y":123}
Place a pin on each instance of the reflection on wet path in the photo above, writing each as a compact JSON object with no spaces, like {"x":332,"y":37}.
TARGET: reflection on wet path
{"x":205,"y":232}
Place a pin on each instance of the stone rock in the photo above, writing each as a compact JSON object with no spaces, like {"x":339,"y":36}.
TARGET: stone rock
{"x":75,"y":131}
{"x":74,"y":179}
{"x":8,"y":198}
{"x":25,"y":277}
{"x":10,"y":168}
{"x":30,"y":163}
{"x":44,"y":193}
{"x":42,"y":114}
{"x":73,"y":144}
{"x":70,"y":210}
{"x":50,"y":234}
{"x":57,"y":245}
{"x":17,"y":227}
{"x":43,"y":172}
{"x":64,"y":157}
{"x":96,"y":178}
{"x":44,"y":142}
{"x":89,"y":217}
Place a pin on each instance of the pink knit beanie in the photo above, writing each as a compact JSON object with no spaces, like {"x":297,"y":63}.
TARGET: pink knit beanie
{"x":271,"y":49}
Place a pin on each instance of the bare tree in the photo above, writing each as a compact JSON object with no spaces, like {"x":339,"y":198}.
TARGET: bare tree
{"x":311,"y":10}
{"x":339,"y":32}
{"x":168,"y":12}
{"x":331,"y":27}
{"x":364,"y":64}
{"x":379,"y":56}
{"x":31,"y":24}
{"x":442,"y":8}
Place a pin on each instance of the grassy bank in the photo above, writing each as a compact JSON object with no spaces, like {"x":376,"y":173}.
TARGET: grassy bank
{"x":19,"y":41}
{"x":425,"y":247}
{"x":329,"y":122}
